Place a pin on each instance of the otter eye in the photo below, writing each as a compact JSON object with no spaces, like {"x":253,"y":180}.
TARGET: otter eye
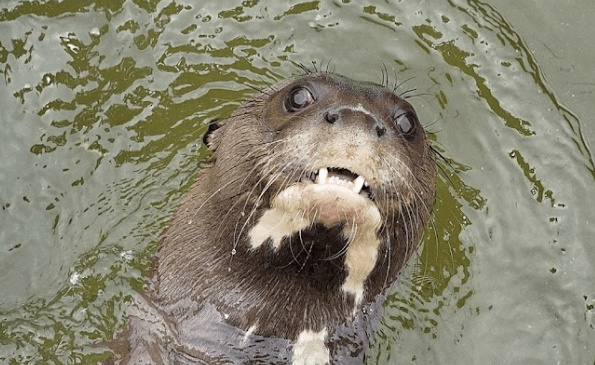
{"x":406,"y":124}
{"x":298,"y":98}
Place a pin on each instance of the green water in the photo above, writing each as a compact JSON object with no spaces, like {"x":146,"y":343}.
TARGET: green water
{"x":104,"y":104}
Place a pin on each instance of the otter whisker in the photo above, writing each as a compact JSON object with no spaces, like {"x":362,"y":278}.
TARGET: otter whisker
{"x":268,"y":168}
{"x":398,"y":85}
{"x":304,"y":68}
{"x":440,"y":166}
{"x":384,"y":76}
{"x":307,"y":254}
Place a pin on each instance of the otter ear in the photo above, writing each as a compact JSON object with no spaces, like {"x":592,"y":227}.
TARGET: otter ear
{"x":210,"y":138}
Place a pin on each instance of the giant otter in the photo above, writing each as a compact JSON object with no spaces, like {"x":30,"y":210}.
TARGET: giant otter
{"x":314,"y":198}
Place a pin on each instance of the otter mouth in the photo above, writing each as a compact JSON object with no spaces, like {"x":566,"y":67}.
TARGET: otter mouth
{"x":341,"y":177}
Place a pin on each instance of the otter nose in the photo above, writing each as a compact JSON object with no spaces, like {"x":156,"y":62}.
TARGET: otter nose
{"x":332,"y":117}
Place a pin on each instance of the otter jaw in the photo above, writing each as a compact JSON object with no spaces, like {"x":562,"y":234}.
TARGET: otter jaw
{"x":330,"y":201}
{"x":331,"y":198}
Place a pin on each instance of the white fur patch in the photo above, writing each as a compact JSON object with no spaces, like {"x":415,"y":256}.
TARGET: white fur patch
{"x":276,"y":223}
{"x":286,"y":217}
{"x":247,"y":336}
{"x":362,"y":251}
{"x":359,"y":108}
{"x":300,"y":205}
{"x":309,"y":349}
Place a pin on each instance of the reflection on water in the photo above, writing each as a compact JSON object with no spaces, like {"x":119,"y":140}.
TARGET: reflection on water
{"x":104,"y":105}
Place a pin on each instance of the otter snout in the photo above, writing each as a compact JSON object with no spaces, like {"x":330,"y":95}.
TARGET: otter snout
{"x":350,"y":116}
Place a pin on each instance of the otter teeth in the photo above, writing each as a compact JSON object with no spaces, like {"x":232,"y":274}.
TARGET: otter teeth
{"x":322,"y":175}
{"x":356,"y":185}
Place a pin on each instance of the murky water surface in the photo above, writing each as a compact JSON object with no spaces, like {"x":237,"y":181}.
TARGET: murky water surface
{"x":103,"y":106}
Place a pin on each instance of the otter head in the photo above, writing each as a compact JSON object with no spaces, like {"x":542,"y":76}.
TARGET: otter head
{"x":315,"y":196}
{"x":333,"y":172}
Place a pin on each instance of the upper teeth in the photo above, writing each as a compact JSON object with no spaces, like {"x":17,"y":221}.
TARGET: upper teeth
{"x":355,"y":185}
{"x":358,"y":183}
{"x":322,"y":176}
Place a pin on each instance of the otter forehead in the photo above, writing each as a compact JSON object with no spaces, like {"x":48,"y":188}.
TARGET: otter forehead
{"x":362,"y":90}
{"x":354,"y":92}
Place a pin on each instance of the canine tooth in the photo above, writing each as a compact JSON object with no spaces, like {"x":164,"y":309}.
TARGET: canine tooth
{"x":322,"y":175}
{"x":358,"y":184}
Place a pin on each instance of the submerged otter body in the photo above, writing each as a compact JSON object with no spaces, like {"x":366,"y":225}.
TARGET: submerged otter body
{"x":314,"y":198}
